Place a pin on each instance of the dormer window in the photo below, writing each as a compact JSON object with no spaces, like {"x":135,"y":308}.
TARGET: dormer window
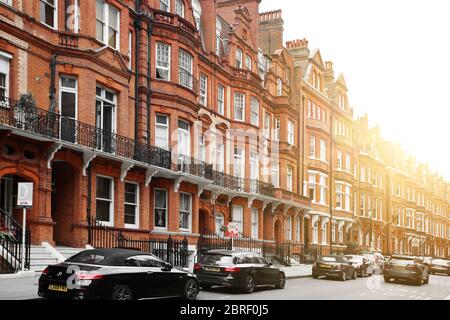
{"x":239,"y":58}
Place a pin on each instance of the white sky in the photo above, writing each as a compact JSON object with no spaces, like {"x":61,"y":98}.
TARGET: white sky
{"x":395,"y":55}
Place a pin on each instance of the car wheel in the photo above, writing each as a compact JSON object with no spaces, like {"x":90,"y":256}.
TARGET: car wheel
{"x":343,"y":276}
{"x":122,"y":292}
{"x":281,"y":282}
{"x":250,"y":284}
{"x":419,"y":281}
{"x":427,"y":279}
{"x":387,"y":279}
{"x":190,"y":290}
{"x":354,"y":276}
{"x":315,"y":276}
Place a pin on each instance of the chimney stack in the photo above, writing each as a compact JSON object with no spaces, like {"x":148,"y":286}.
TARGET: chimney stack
{"x":299,"y":49}
{"x":271,"y":28}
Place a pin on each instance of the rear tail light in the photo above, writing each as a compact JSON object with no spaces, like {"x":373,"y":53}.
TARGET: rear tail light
{"x":45,"y":272}
{"x":232,"y":269}
{"x":411,"y":267}
{"x":89,"y":276}
{"x":197,"y":267}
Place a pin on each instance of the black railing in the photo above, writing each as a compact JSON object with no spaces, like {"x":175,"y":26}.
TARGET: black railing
{"x":54,"y":126}
{"x":173,"y":251}
{"x":192,"y":166}
{"x":11,"y":247}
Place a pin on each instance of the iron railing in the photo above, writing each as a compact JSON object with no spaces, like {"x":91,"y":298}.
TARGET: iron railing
{"x":54,"y":126}
{"x":168,"y":249}
{"x":11,"y":247}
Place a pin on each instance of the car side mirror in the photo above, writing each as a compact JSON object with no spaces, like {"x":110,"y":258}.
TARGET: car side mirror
{"x":167,"y":267}
{"x":269,"y":264}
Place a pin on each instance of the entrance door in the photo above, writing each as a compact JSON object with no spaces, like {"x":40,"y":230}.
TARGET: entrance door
{"x":6,"y":195}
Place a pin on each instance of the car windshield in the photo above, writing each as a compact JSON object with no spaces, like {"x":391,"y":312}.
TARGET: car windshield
{"x":216,"y":259}
{"x":332,"y":259}
{"x":355,"y":258}
{"x":441,"y":262}
{"x":89,"y":258}
{"x":402,"y":262}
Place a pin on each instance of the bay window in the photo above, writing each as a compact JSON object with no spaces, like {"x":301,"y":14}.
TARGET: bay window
{"x":239,"y":106}
{"x":239,"y":58}
{"x":289,"y":179}
{"x":162,"y":61}
{"x":203,"y":90}
{"x":254,"y":116}
{"x":323,"y":150}
{"x":185,"y":69}
{"x":291,"y":132}
{"x":162,"y":131}
{"x":164,"y":5}
{"x":179,"y":8}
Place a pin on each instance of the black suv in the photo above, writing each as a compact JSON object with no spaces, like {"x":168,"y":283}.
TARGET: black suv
{"x":406,"y":268}
{"x":242,"y":270}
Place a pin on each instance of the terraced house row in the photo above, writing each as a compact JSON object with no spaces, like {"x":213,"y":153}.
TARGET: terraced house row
{"x":169,"y":119}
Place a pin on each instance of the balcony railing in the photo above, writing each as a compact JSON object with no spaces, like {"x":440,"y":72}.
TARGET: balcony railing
{"x":54,"y":126}
{"x":68,"y":40}
{"x":174,"y":20}
{"x":246,"y":74}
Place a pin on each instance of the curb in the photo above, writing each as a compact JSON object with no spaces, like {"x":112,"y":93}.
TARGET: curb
{"x":19,"y":275}
{"x":299,"y":277}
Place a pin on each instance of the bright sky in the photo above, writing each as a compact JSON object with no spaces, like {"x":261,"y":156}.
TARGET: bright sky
{"x":395,"y":55}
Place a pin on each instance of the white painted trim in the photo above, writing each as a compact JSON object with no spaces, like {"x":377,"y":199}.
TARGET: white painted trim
{"x":6,"y":55}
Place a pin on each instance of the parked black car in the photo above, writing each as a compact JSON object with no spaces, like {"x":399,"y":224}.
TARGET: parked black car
{"x":242,"y":270}
{"x":116,"y":274}
{"x":406,"y":268}
{"x":334,"y":266}
{"x":440,"y":266}
{"x":364,"y":267}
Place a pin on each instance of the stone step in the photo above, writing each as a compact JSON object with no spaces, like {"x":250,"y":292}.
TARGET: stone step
{"x":46,"y":255}
{"x":38,"y":250}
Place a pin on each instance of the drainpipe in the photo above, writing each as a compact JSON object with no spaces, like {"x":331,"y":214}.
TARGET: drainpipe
{"x":137,"y":29}
{"x":89,"y":195}
{"x":52,"y":83}
{"x":149,"y":74}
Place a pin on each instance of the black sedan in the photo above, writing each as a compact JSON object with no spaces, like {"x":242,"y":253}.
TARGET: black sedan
{"x":440,"y":266}
{"x":334,"y":266}
{"x":116,"y":274}
{"x":242,"y":270}
{"x":406,"y":268}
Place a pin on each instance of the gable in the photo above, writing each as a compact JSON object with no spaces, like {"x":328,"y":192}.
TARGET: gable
{"x":316,"y":58}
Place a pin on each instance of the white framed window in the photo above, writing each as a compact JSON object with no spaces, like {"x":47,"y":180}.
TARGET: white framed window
{"x":218,"y":37}
{"x":220,"y":157}
{"x":107,"y":24}
{"x":341,"y":234}
{"x":163,"y":61}
{"x":312,"y":187}
{"x":106,"y":105}
{"x":131,"y":210}
{"x":161,"y":208}
{"x":164,"y":5}
{"x":255,"y":223}
{"x":279,"y":87}
{"x":4,"y":75}
{"x":219,"y":222}
{"x":277,"y":129}
{"x":323,"y":150}
{"x":339,"y":196}
{"x":201,"y":147}
{"x":130,"y":49}
{"x":315,"y":232}
{"x":239,"y":163}
{"x":333,"y":232}
{"x":185,"y":211}
{"x":221,"y":99}
{"x":297,"y":229}
{"x":267,"y":125}
{"x":288,"y":229}
{"x":105,"y":201}
{"x":362,"y":211}
{"x":239,"y":58}
{"x":312,"y":146}
{"x":203,"y":90}
{"x":237,"y":216}
{"x":254,"y":166}
{"x":324,"y":232}
{"x":323,"y":188}
{"x":48,"y":13}
{"x":289,"y":180}
{"x":185,"y":73}
{"x":347,"y":197}
{"x":254,"y":116}
{"x":239,"y":106}
{"x":162,"y":131}
{"x":179,"y":8}
{"x":248,"y":62}
{"x":276,"y":174}
{"x":8,"y":2}
{"x":184,"y":138}
{"x":339,"y":160}
{"x":68,"y":105}
{"x":313,"y":110}
{"x":362,"y":176}
{"x":347,"y":162}
{"x":291,"y":132}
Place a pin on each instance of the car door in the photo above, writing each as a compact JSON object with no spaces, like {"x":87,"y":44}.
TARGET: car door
{"x":159,"y":282}
{"x":258,"y":268}
{"x":270,"y":273}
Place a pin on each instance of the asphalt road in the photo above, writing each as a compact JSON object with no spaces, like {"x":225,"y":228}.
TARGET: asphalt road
{"x":372,"y":288}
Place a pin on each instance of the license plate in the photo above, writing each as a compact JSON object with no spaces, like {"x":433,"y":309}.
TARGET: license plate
{"x":57,"y":288}
{"x":325,"y":266}
{"x":212,"y":269}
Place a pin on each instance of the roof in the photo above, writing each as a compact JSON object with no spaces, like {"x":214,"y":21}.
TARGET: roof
{"x":113,"y":257}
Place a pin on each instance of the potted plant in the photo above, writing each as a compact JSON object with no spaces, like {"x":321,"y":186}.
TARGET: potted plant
{"x":6,"y":234}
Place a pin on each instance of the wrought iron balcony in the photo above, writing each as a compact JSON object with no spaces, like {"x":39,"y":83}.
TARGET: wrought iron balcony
{"x":68,"y":40}
{"x":192,"y":166}
{"x":242,"y":185}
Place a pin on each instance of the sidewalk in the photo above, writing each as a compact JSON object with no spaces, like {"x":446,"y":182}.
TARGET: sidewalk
{"x":19,"y":288}
{"x":297,"y":272}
